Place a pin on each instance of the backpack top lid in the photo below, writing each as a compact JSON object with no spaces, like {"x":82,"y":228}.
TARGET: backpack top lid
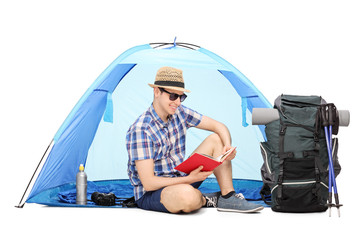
{"x":298,"y":109}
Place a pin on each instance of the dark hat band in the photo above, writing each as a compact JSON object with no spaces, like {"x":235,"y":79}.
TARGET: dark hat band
{"x":170,"y":84}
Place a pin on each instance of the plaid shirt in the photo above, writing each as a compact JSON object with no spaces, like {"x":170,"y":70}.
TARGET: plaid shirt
{"x":151,"y":138}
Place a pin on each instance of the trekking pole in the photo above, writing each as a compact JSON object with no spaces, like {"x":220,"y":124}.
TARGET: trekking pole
{"x":332,"y":183}
{"x":325,"y":123}
{"x":332,"y":115}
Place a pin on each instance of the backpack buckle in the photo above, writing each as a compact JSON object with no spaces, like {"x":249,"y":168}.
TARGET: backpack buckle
{"x":282,"y":130}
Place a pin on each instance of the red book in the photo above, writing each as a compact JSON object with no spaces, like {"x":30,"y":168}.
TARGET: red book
{"x":196,"y":160}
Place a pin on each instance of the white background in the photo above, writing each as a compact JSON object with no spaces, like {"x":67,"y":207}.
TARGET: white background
{"x":51,"y":51}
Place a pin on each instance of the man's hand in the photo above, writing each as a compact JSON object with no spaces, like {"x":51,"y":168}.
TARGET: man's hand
{"x":197,"y":175}
{"x":232,"y":155}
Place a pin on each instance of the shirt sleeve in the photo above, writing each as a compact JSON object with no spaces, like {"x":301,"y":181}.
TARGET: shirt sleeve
{"x":192,"y":117}
{"x":139,"y":145}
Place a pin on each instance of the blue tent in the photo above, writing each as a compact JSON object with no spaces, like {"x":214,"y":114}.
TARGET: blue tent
{"x":94,"y":132}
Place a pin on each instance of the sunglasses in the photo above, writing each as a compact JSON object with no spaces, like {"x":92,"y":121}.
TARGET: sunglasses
{"x":174,"y":96}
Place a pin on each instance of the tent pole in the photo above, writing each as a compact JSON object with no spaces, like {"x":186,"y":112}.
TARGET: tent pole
{"x":47,"y":149}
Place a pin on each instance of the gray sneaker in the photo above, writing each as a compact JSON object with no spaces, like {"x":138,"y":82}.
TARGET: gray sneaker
{"x":237,"y":203}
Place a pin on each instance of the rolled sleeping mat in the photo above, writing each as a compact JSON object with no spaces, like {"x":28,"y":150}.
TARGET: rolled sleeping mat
{"x":344,"y":118}
{"x":262,"y":116}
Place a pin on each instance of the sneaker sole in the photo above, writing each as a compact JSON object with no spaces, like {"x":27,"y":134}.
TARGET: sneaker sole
{"x":241,"y":211}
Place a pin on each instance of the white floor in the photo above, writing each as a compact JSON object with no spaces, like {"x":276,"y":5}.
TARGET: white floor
{"x":76,"y":223}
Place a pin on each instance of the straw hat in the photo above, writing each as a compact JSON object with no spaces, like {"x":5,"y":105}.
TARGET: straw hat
{"x":170,"y":78}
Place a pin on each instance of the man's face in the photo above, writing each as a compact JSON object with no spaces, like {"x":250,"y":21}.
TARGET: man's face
{"x":166,"y":104}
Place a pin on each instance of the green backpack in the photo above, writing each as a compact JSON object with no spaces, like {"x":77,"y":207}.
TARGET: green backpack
{"x":295,"y":169}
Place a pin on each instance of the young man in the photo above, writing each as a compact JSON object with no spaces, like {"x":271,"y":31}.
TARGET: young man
{"x":156,"y":145}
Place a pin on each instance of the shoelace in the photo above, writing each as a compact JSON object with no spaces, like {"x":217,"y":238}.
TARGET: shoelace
{"x":239,"y":195}
{"x":211,"y":201}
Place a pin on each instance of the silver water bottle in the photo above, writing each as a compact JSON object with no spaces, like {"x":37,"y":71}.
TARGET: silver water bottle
{"x":81,"y":186}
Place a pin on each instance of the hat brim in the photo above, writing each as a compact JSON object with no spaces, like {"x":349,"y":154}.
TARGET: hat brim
{"x":170,"y":87}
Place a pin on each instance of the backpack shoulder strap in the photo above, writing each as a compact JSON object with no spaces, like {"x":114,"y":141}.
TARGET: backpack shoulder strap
{"x":265,"y":194}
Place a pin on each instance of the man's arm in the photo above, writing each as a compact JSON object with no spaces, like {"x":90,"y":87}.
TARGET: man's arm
{"x":216,"y":127}
{"x":151,"y":182}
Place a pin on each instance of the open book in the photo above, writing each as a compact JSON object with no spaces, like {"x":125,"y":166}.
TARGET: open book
{"x":196,"y":160}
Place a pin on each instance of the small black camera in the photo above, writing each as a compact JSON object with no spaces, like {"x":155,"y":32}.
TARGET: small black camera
{"x":103,"y":199}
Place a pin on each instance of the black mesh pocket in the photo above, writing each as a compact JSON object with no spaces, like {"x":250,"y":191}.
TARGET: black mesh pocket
{"x":299,"y":169}
{"x":300,"y":198}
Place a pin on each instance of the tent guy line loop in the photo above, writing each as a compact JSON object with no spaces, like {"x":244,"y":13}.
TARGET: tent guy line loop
{"x":175,"y":42}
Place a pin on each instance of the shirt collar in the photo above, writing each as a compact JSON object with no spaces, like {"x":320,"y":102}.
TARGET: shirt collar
{"x":158,"y":119}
